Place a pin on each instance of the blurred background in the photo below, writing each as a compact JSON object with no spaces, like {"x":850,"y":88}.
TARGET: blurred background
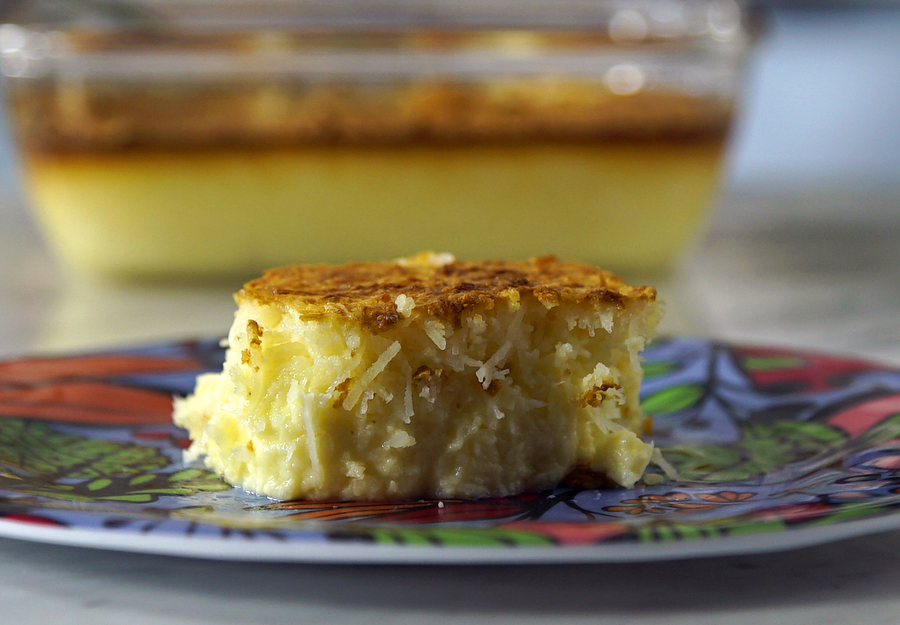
{"x":820,"y":136}
{"x":800,"y":249}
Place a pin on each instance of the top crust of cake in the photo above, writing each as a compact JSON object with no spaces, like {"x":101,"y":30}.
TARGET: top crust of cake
{"x":375,"y":293}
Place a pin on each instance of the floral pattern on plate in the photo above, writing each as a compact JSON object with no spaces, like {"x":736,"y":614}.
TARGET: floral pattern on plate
{"x":764,"y":440}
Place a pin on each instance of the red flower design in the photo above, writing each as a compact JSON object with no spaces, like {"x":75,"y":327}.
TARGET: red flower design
{"x":676,"y":500}
{"x":84,"y":389}
{"x":417,"y":512}
{"x":32,"y":519}
{"x":861,"y":417}
{"x":650,"y":504}
{"x":726,"y":496}
{"x":794,"y":512}
{"x":778,"y":369}
{"x":571,"y":533}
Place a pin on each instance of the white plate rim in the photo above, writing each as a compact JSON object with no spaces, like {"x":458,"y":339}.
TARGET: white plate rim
{"x":322,"y":551}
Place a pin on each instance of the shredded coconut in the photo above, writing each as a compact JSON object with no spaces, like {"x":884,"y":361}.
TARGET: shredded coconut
{"x":435,"y":331}
{"x":364,"y":400}
{"x":408,"y":409}
{"x":427,"y":258}
{"x":299,"y":408}
{"x":495,"y":408}
{"x":404,"y":304}
{"x":662,"y":463}
{"x":369,"y":376}
{"x":488,"y":372}
{"x":400,"y":439}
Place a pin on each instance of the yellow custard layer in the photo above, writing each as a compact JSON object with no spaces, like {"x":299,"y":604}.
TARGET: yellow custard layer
{"x":626,"y":205}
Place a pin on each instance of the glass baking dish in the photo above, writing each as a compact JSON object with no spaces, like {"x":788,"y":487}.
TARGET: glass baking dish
{"x":188,"y":138}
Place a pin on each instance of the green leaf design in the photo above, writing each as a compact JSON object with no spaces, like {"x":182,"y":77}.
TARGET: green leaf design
{"x":34,"y":447}
{"x":695,"y":461}
{"x":138,"y":498}
{"x":658,"y":367}
{"x":762,"y":448}
{"x":771,"y":363}
{"x":887,"y":430}
{"x":141,"y":479}
{"x":666,"y":531}
{"x":187,"y":474}
{"x":672,"y":399}
{"x":849,"y":511}
{"x":38,"y":460}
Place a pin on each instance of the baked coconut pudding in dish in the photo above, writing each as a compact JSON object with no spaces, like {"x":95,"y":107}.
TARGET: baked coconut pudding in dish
{"x":205,"y":139}
{"x":428,"y":377}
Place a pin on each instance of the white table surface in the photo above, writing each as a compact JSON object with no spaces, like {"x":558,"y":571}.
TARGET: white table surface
{"x":828,"y":289}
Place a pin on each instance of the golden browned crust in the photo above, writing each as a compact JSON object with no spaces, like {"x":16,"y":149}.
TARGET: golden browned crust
{"x":231,"y":111}
{"x":367,"y":292}
{"x":71,"y":119}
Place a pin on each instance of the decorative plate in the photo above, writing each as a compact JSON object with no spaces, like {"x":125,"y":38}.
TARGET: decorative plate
{"x":774,"y":449}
